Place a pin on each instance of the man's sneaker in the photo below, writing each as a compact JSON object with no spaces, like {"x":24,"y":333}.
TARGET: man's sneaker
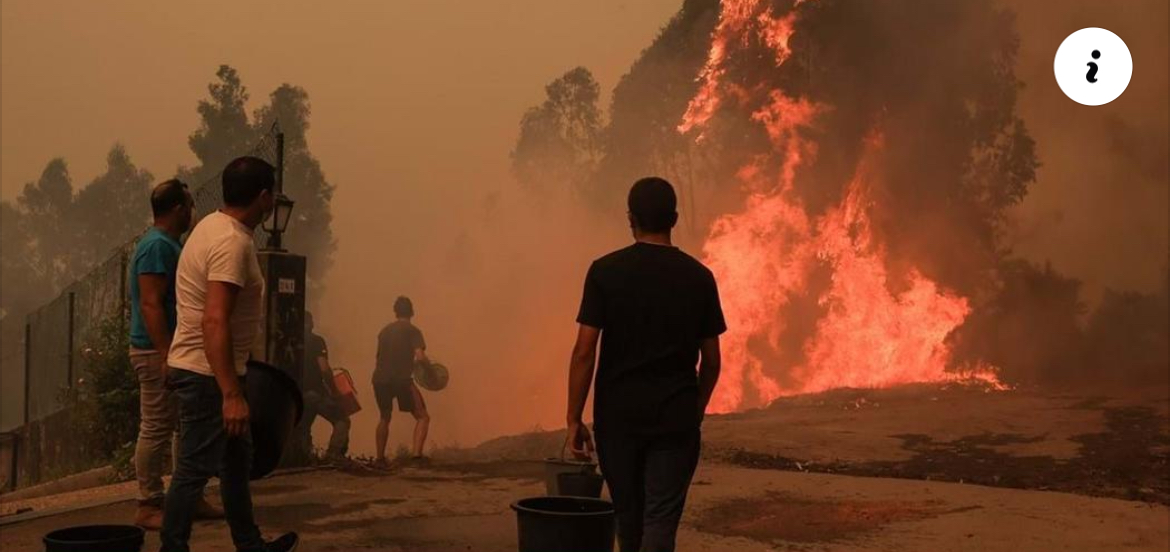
{"x":285,"y":543}
{"x":207,"y":510}
{"x":149,"y":516}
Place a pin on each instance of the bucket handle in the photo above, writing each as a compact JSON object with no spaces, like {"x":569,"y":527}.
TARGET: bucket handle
{"x":592,"y":453}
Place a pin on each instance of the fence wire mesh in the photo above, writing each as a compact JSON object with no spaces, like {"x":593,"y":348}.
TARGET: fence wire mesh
{"x":59,"y":331}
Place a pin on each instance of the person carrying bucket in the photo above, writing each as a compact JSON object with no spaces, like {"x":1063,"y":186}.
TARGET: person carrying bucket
{"x":320,"y":395}
{"x":657,"y":314}
{"x":400,"y":347}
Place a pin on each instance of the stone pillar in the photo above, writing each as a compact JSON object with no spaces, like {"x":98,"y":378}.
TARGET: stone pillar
{"x":282,"y":336}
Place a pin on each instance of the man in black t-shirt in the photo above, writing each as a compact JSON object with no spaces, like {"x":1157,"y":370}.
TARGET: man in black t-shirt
{"x":400,"y":347}
{"x":320,"y":394}
{"x":656,"y":312}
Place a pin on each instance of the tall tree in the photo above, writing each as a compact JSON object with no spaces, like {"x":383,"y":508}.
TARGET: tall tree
{"x":224,"y":132}
{"x":560,"y":140}
{"x":310,"y":232}
{"x":112,"y":209}
{"x":46,"y":206}
{"x":21,"y":289}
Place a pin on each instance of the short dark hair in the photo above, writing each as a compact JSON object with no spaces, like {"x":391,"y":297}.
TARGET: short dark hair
{"x":403,"y":308}
{"x":244,"y":178}
{"x":653,"y":204}
{"x":168,"y":195}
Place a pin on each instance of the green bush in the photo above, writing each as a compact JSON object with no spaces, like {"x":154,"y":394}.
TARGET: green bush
{"x":104,"y":401}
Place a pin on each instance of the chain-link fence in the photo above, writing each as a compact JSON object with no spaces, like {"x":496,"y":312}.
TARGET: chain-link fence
{"x":57,"y":333}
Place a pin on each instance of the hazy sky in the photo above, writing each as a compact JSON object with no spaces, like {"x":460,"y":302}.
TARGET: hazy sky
{"x":415,"y":108}
{"x":396,"y":86}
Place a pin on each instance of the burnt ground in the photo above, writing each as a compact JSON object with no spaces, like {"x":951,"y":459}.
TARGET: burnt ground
{"x":778,"y":516}
{"x":1105,"y":446}
{"x":1129,"y":460}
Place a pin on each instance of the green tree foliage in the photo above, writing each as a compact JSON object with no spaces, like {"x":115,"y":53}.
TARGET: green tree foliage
{"x":224,"y":131}
{"x":648,"y":104}
{"x":112,"y":209}
{"x":560,"y":140}
{"x":46,"y":208}
{"x":104,"y":403}
{"x":53,"y":235}
{"x":22,"y":289}
{"x":310,"y":232}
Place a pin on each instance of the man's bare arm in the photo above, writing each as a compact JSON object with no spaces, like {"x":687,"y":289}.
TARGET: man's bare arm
{"x":152,"y":294}
{"x":581,"y":367}
{"x":581,"y":370}
{"x":217,"y":342}
{"x":710,"y":365}
{"x":327,"y":374}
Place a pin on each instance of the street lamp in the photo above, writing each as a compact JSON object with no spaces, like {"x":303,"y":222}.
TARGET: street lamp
{"x":278,"y":222}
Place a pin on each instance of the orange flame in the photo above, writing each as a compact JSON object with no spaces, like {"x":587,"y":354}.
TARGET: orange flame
{"x":765,"y":255}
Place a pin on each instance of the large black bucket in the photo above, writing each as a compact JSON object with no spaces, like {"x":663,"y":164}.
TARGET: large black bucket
{"x":275,"y":405}
{"x":564,"y":524}
{"x":95,"y":538}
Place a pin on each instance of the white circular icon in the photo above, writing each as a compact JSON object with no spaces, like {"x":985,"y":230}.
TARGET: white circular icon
{"x":1093,"y":66}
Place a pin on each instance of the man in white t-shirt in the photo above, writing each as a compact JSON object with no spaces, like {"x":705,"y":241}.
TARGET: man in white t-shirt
{"x":220,"y":296}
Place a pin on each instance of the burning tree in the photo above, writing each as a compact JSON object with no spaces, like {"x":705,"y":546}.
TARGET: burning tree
{"x":854,"y":164}
{"x":872,"y":190}
{"x":853,"y":161}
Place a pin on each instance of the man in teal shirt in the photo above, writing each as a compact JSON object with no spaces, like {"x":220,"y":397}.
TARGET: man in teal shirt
{"x":152,"y":325}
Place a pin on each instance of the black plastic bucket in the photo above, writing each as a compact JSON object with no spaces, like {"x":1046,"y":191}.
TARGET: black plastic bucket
{"x":275,"y":406}
{"x":564,"y":524}
{"x":95,"y":538}
{"x":580,"y":484}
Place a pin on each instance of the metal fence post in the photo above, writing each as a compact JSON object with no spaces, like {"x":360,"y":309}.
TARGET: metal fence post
{"x":72,"y":324}
{"x":124,"y":292}
{"x":27,"y":368}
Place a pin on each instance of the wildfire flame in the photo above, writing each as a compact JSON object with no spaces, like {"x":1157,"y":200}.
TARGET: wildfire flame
{"x":766,"y":255}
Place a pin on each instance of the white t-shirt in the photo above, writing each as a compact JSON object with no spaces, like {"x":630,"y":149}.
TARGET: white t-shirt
{"x":220,"y":249}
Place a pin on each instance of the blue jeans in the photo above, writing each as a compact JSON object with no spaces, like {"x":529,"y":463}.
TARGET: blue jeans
{"x":206,"y":451}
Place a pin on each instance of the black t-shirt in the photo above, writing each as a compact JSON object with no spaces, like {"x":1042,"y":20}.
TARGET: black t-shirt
{"x":654,"y":304}
{"x":396,"y":345}
{"x":315,"y":348}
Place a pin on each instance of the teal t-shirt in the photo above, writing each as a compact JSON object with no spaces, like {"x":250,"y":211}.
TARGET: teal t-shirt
{"x":156,"y":253}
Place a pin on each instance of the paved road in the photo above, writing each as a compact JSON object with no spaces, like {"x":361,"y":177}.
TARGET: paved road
{"x":450,"y":508}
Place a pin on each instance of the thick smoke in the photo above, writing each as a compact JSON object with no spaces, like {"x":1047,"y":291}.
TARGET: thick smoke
{"x":940,"y":82}
{"x":971,"y":193}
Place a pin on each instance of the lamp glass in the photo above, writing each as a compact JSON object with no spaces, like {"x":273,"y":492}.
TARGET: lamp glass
{"x":281,"y":213}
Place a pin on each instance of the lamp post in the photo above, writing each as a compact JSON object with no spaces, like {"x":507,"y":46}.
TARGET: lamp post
{"x":278,"y":222}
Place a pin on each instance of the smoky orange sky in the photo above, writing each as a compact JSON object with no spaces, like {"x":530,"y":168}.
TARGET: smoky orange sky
{"x":415,"y":108}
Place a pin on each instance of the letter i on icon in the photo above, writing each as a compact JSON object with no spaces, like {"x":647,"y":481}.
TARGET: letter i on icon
{"x":1092,"y":75}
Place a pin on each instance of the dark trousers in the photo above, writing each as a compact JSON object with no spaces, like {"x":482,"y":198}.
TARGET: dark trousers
{"x":319,"y":403}
{"x":206,"y":451}
{"x":648,"y":478}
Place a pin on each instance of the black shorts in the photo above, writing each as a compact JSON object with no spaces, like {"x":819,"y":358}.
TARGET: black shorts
{"x":386,"y":392}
